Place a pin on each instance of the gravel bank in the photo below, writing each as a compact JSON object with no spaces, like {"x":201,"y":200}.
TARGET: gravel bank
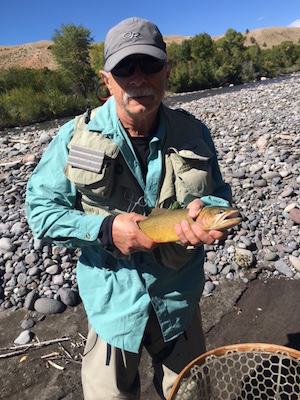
{"x":256,"y":133}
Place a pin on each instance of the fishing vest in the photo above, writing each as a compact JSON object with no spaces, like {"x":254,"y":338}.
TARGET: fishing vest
{"x":105,"y":184}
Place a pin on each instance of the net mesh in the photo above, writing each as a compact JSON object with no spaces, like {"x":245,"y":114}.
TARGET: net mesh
{"x":239,"y":375}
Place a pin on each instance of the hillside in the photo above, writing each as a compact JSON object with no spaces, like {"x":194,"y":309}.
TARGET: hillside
{"x":37,"y":55}
{"x":270,"y":37}
{"x":31,"y":55}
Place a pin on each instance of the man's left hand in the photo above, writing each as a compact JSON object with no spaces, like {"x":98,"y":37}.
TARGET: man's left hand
{"x":193,"y":235}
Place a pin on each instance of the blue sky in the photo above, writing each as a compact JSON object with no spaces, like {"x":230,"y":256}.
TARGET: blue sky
{"x":26,"y":21}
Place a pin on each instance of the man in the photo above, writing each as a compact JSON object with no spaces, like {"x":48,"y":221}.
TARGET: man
{"x":93,"y":185}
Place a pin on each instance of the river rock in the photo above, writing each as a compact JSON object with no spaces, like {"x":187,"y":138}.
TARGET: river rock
{"x":295,"y":215}
{"x":29,"y":158}
{"x":31,"y":259}
{"x":210,"y":268}
{"x":6,"y":244}
{"x":53,"y":269}
{"x":24,"y":338}
{"x":270,"y":256}
{"x":16,"y":229}
{"x":30,"y":300}
{"x":295,"y":261}
{"x":208,"y":288}
{"x":283,"y":268}
{"x":27,"y":324}
{"x":68,"y":296}
{"x":244,"y":258}
{"x":49,"y":306}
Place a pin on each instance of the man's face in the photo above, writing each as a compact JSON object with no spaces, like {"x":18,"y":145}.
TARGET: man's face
{"x":140,"y":93}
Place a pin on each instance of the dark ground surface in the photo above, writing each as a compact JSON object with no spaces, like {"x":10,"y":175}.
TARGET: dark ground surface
{"x":259,"y":312}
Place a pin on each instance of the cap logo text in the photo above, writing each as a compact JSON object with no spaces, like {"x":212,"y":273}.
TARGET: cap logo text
{"x":130,"y":35}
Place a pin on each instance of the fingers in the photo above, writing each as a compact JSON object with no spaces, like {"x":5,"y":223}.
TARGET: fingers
{"x":219,"y":235}
{"x":187,"y":235}
{"x":194,"y":208}
{"x":127,"y":236}
{"x":195,"y":236}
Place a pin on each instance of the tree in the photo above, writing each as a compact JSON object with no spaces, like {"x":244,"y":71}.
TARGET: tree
{"x":252,"y":65}
{"x":229,"y":57}
{"x":202,"y":52}
{"x":202,"y":47}
{"x":180,"y":56}
{"x":71,"y":50}
{"x":96,"y":53}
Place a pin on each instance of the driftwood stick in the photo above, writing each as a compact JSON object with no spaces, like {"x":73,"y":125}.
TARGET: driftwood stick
{"x":23,"y":348}
{"x":73,"y":361}
{"x":14,"y":353}
{"x":65,"y":351}
{"x":6,"y":164}
{"x":82,"y":337}
{"x":53,"y":364}
{"x":54,"y":354}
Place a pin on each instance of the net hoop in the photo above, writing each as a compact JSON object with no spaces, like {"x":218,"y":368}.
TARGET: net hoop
{"x":236,"y":348}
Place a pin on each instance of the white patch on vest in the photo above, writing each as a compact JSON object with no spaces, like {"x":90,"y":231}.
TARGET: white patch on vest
{"x":86,"y":158}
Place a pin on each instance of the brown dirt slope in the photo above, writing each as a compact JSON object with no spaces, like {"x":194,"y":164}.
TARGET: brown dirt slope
{"x":273,"y":36}
{"x":38,"y":55}
{"x":264,"y":37}
{"x":31,"y":55}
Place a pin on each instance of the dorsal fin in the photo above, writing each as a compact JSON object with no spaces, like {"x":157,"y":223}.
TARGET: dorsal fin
{"x":157,"y":211}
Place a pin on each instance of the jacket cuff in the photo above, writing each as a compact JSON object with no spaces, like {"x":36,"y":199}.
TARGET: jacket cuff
{"x":105,"y":233}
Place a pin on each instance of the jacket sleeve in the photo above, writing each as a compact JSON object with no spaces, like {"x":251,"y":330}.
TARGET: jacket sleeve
{"x":51,"y":197}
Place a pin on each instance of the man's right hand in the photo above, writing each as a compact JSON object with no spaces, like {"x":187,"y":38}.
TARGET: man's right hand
{"x":128,"y":237}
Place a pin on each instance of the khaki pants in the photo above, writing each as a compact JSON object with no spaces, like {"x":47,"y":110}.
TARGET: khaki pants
{"x":111,"y":373}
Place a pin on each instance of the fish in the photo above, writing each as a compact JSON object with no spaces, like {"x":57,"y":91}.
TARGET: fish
{"x":160,"y":224}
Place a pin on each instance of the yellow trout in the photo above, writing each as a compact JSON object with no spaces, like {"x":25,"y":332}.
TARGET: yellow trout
{"x":160,"y":224}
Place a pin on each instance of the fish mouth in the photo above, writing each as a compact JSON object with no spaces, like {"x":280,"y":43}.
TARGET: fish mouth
{"x":231,"y":218}
{"x":233,"y":214}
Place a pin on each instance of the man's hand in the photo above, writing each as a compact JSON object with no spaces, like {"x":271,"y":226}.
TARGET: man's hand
{"x":128,"y":237}
{"x":194,"y":235}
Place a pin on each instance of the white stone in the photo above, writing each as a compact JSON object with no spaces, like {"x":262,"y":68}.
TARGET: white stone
{"x":295,"y":261}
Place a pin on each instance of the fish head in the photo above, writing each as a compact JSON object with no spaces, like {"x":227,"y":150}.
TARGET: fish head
{"x":218,"y":218}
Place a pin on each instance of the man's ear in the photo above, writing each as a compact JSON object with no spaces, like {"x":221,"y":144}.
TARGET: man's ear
{"x":105,"y":78}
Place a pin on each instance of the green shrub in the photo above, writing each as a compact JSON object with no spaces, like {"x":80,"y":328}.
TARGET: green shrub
{"x":28,"y":96}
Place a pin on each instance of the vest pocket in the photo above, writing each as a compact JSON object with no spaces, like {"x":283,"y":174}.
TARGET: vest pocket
{"x":192,"y":174}
{"x":93,"y":184}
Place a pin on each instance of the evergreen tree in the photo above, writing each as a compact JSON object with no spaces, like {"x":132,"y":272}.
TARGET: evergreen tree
{"x":202,"y":69}
{"x":97,"y":56}
{"x":71,"y":50}
{"x":229,"y":57}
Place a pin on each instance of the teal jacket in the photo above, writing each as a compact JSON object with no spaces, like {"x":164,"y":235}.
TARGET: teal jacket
{"x":117,"y":291}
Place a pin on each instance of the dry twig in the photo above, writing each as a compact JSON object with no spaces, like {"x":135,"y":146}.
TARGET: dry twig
{"x":20,"y":349}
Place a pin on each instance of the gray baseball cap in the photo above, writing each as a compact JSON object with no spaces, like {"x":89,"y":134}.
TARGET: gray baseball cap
{"x":132,"y":36}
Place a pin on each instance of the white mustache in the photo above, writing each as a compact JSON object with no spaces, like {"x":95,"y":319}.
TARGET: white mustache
{"x":137,"y":92}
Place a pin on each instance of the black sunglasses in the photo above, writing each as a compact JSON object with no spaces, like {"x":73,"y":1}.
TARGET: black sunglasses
{"x":147,"y":64}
